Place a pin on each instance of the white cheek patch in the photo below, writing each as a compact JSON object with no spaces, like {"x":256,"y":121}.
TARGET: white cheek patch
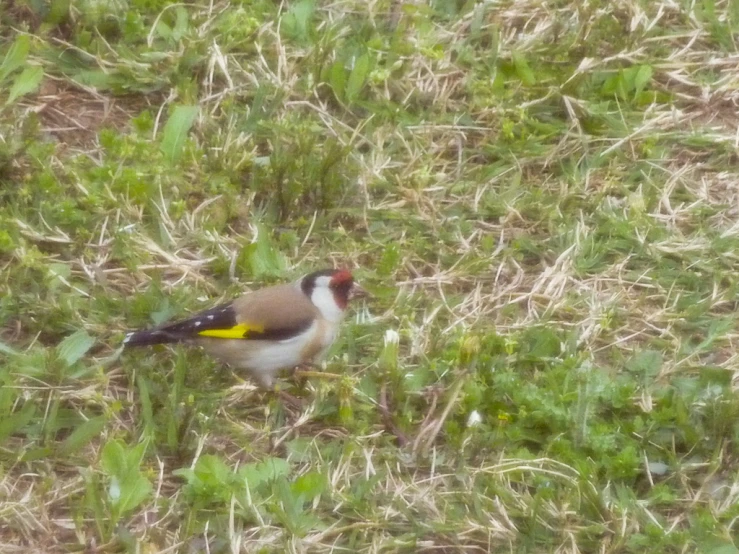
{"x":210,"y":318}
{"x":197,"y":324}
{"x":323,"y":299}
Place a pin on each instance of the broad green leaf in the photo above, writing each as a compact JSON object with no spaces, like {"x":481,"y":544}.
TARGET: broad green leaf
{"x":357,"y":77}
{"x":58,"y":12}
{"x":40,"y":453}
{"x":17,"y":421}
{"x":297,"y":21}
{"x":647,"y":363}
{"x":187,"y":474}
{"x":274,"y":468}
{"x":292,"y":514}
{"x":212,"y":470}
{"x":113,"y":458}
{"x":83,"y":434}
{"x":309,"y":485}
{"x":612,"y":84}
{"x":163,"y":313}
{"x":628,"y":78}
{"x":642,"y":78}
{"x":28,"y":81}
{"x":94,"y":78}
{"x":541,"y":342}
{"x":57,"y":274}
{"x":176,"y":130}
{"x":212,"y":480}
{"x":164,"y":30}
{"x":416,"y":380}
{"x":75,"y":346}
{"x":270,"y":469}
{"x":16,"y":56}
{"x":60,"y":270}
{"x":337,"y":79}
{"x":182,"y":23}
{"x":133,"y":492}
{"x":303,"y":12}
{"x":128,"y":488}
{"x":135,"y":455}
{"x":263,"y":258}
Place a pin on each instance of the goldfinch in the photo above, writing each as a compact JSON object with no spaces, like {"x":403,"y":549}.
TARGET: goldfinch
{"x":268,"y":330}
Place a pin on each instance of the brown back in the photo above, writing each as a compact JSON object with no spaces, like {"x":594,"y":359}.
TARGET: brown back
{"x":278,"y":307}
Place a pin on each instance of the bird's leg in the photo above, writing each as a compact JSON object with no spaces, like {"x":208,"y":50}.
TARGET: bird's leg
{"x":269,"y":385}
{"x":293,"y":401}
{"x":286,"y":397}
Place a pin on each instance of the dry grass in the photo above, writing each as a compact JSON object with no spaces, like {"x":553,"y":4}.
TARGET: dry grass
{"x":541,"y":197}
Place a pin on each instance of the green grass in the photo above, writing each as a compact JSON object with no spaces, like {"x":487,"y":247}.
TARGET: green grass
{"x":542,"y":198}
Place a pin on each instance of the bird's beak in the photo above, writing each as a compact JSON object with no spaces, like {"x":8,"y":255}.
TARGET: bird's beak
{"x":357,"y":292}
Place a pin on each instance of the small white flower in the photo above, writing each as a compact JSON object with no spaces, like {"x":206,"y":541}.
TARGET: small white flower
{"x":115,"y":490}
{"x":474,"y":418}
{"x":389,"y":356}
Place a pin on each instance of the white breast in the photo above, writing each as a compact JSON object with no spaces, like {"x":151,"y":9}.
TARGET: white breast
{"x":264,"y":359}
{"x":270,"y":357}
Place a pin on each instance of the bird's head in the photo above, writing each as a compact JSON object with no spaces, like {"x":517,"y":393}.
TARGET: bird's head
{"x":330,"y":290}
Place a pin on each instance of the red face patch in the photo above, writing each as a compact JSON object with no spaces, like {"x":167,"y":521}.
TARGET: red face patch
{"x":342,"y":276}
{"x":341,"y":283}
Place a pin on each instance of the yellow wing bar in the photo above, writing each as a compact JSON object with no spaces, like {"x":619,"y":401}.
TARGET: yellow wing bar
{"x":236,"y":332}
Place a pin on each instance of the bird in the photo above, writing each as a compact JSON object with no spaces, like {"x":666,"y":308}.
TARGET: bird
{"x":268,"y":330}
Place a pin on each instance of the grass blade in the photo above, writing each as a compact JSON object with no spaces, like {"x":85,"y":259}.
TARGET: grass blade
{"x":175,"y":132}
{"x":5,"y":349}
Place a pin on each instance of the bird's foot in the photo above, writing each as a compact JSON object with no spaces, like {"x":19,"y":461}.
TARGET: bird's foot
{"x":285,"y":397}
{"x":294,"y":401}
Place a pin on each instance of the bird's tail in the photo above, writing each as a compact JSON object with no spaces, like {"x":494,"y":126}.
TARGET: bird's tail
{"x":147,"y":338}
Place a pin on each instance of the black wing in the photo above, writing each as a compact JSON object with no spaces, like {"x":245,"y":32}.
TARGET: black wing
{"x":219,"y":322}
